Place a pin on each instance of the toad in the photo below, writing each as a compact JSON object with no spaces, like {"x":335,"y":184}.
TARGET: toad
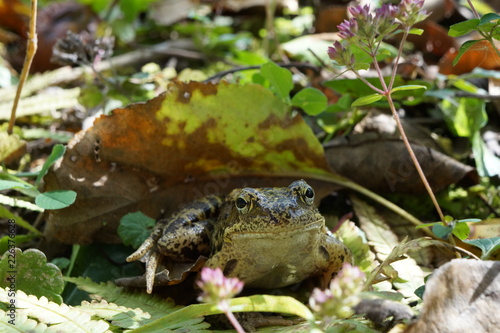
{"x":267,"y":237}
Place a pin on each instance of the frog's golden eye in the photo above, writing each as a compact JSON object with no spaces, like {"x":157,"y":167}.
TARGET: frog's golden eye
{"x":307,"y":195}
{"x":242,"y":205}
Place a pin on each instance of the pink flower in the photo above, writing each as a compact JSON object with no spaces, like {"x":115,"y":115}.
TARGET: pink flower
{"x":217,"y":288}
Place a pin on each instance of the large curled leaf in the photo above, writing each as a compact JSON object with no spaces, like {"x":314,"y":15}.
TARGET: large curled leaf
{"x":32,"y":273}
{"x":488,"y":246}
{"x":196,"y":139}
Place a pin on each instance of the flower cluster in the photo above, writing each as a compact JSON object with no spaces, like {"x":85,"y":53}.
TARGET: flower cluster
{"x":367,"y":29}
{"x":216,"y":288}
{"x":342,"y":295}
{"x":411,"y":12}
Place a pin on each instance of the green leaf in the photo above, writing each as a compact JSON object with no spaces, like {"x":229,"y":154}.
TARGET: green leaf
{"x":279,"y":78}
{"x":471,"y":220}
{"x":311,"y":100}
{"x":486,"y":18}
{"x":487,"y":163}
{"x":408,"y":87}
{"x":464,"y":116}
{"x":367,"y":100}
{"x":259,"y":303}
{"x":19,"y":221}
{"x":57,"y":153}
{"x":464,"y":48}
{"x":463,"y":28}
{"x":489,"y":246}
{"x":442,"y":231}
{"x":30,"y":272}
{"x":11,"y":184}
{"x":425,"y":225}
{"x":416,"y":31}
{"x":134,"y":228}
{"x":55,"y":199}
{"x":461,"y":230}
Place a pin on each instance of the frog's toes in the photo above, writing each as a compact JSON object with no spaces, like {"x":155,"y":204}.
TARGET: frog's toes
{"x":142,"y":250}
{"x":151,"y":264}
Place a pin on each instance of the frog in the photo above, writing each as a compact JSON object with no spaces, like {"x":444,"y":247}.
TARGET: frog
{"x":268,"y":237}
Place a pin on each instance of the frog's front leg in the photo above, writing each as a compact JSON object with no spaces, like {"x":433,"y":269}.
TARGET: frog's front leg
{"x":335,"y":253}
{"x":183,"y":237}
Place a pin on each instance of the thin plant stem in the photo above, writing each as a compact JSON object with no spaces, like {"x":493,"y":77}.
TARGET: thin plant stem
{"x":366,"y":81}
{"x":387,"y":91}
{"x":398,"y":56}
{"x":476,"y":14}
{"x":414,"y":158}
{"x":234,"y":322}
{"x":30,"y":54}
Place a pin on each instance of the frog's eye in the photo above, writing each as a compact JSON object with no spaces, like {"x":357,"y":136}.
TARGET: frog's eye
{"x":242,"y":205}
{"x":308,"y":195}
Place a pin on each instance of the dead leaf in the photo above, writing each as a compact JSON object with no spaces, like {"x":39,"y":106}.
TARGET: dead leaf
{"x":384,"y":165}
{"x":196,"y":139}
{"x":480,"y":55}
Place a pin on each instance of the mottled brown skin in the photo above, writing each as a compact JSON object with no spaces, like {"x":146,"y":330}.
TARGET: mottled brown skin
{"x":267,"y":237}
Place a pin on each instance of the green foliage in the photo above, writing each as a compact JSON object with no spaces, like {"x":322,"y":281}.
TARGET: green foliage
{"x":47,"y":200}
{"x":156,"y":306}
{"x":134,"y":228}
{"x":259,"y":303}
{"x":280,"y":79}
{"x":459,"y":228}
{"x":32,"y":274}
{"x":465,"y":117}
{"x":311,"y":100}
{"x":487,"y":26}
{"x":55,"y":199}
{"x":365,"y":100}
{"x":5,"y":213}
{"x":489,"y":246}
{"x":463,"y":28}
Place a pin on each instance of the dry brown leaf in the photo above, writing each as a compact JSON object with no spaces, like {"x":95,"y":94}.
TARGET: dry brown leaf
{"x":194,"y":140}
{"x":384,"y":165}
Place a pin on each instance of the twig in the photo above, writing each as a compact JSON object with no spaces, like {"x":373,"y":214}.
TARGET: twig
{"x":30,"y":54}
{"x":246,"y":68}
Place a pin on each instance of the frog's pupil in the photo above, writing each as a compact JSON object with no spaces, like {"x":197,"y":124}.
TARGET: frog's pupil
{"x":240,"y":203}
{"x":309,"y":193}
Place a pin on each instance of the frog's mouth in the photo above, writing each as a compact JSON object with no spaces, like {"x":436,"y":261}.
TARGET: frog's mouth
{"x":311,"y":227}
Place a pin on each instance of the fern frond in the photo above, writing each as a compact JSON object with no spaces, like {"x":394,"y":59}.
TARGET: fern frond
{"x":43,"y":103}
{"x":20,"y":323}
{"x":118,"y":315}
{"x":62,"y":318}
{"x":157,"y":307}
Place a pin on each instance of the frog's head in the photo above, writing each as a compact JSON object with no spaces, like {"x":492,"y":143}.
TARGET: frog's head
{"x":274,"y":210}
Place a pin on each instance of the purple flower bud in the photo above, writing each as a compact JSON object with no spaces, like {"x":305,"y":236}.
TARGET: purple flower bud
{"x":348,"y":28}
{"x":359,"y":12}
{"x":386,"y":11}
